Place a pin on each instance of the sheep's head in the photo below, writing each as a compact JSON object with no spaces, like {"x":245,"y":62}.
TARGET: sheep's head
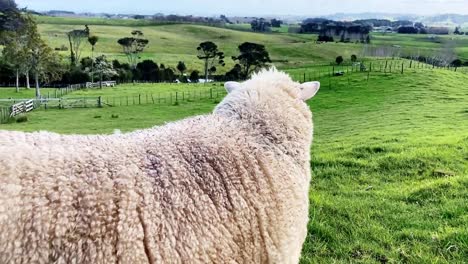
{"x":271,"y":99}
{"x":268,"y":87}
{"x":306,"y":91}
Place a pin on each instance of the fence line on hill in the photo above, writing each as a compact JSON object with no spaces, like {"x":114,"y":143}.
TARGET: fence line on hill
{"x":385,"y":67}
{"x":325,"y":74}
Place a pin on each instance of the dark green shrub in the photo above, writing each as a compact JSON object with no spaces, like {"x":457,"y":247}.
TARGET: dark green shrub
{"x":21,"y":119}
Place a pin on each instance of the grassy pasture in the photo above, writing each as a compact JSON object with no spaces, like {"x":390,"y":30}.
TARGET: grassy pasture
{"x":390,"y":164}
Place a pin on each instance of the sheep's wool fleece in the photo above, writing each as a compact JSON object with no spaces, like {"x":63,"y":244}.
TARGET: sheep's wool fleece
{"x":227,"y":187}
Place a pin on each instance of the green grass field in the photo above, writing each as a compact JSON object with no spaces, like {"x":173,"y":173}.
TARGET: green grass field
{"x":390,"y":162}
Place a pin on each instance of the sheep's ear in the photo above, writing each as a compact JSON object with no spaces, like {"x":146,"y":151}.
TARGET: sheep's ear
{"x":231,"y":86}
{"x":309,"y":90}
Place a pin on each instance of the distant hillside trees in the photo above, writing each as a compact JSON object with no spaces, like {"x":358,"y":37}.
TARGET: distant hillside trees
{"x":210,"y":55}
{"x":332,"y":30}
{"x":75,"y":39}
{"x":383,"y":23}
{"x":456,"y":63}
{"x":92,"y":41}
{"x":133,"y":46}
{"x":339,"y":60}
{"x":181,"y":67}
{"x":194,"y":76}
{"x":408,"y":30}
{"x":276,"y":23}
{"x":225,"y":19}
{"x":438,"y":30}
{"x":160,"y":18}
{"x":252,"y":57}
{"x":260,"y":25}
{"x":148,"y":70}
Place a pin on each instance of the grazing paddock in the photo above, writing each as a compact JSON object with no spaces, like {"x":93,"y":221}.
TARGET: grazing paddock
{"x":390,"y":164}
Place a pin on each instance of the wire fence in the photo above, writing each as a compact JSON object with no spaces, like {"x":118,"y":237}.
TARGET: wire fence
{"x":328,"y":75}
{"x":399,"y":66}
{"x":163,"y":98}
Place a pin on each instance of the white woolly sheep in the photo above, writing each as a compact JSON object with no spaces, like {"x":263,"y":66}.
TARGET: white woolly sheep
{"x":227,"y":187}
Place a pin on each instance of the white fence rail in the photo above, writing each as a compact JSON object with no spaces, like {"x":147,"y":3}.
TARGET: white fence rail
{"x":23,"y":107}
{"x":98,"y":84}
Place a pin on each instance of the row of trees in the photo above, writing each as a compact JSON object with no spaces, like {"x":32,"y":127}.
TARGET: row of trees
{"x":24,"y":51}
{"x":329,"y":30}
{"x":263,"y":25}
{"x":339,"y":60}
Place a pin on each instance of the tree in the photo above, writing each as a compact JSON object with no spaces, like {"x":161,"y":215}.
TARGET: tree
{"x":14,"y":54}
{"x":7,"y":5}
{"x":209,"y":53}
{"x":407,"y":30}
{"x":353,"y":58}
{"x":276,"y":23}
{"x":194,"y":76}
{"x":16,"y":51}
{"x":75,"y":38}
{"x":368,"y":39}
{"x":92,"y":41}
{"x":252,"y":57}
{"x":149,"y":70}
{"x":457,"y":63}
{"x":323,"y":38}
{"x":10,"y":17}
{"x":181,"y":67}
{"x":133,"y":46}
{"x":260,"y":25}
{"x":339,"y":60}
{"x":105,"y":69}
{"x":45,"y":64}
{"x":169,"y":75}
{"x":235,"y":73}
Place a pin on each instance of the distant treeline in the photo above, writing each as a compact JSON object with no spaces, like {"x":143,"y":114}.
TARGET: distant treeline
{"x":358,"y":30}
{"x":222,"y":20}
{"x":329,"y":30}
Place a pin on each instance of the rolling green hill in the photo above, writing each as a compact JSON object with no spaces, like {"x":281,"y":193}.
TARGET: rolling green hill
{"x":174,"y":42}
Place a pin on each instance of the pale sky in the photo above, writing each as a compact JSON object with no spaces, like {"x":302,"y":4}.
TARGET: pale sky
{"x":251,"y":7}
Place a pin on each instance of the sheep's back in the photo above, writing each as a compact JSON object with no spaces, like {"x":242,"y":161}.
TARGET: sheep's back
{"x":199,"y":190}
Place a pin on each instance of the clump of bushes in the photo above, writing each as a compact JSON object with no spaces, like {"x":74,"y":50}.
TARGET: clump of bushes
{"x":114,"y":116}
{"x":21,"y":119}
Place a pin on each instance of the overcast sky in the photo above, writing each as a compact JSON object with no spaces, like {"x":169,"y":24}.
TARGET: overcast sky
{"x":251,"y":7}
